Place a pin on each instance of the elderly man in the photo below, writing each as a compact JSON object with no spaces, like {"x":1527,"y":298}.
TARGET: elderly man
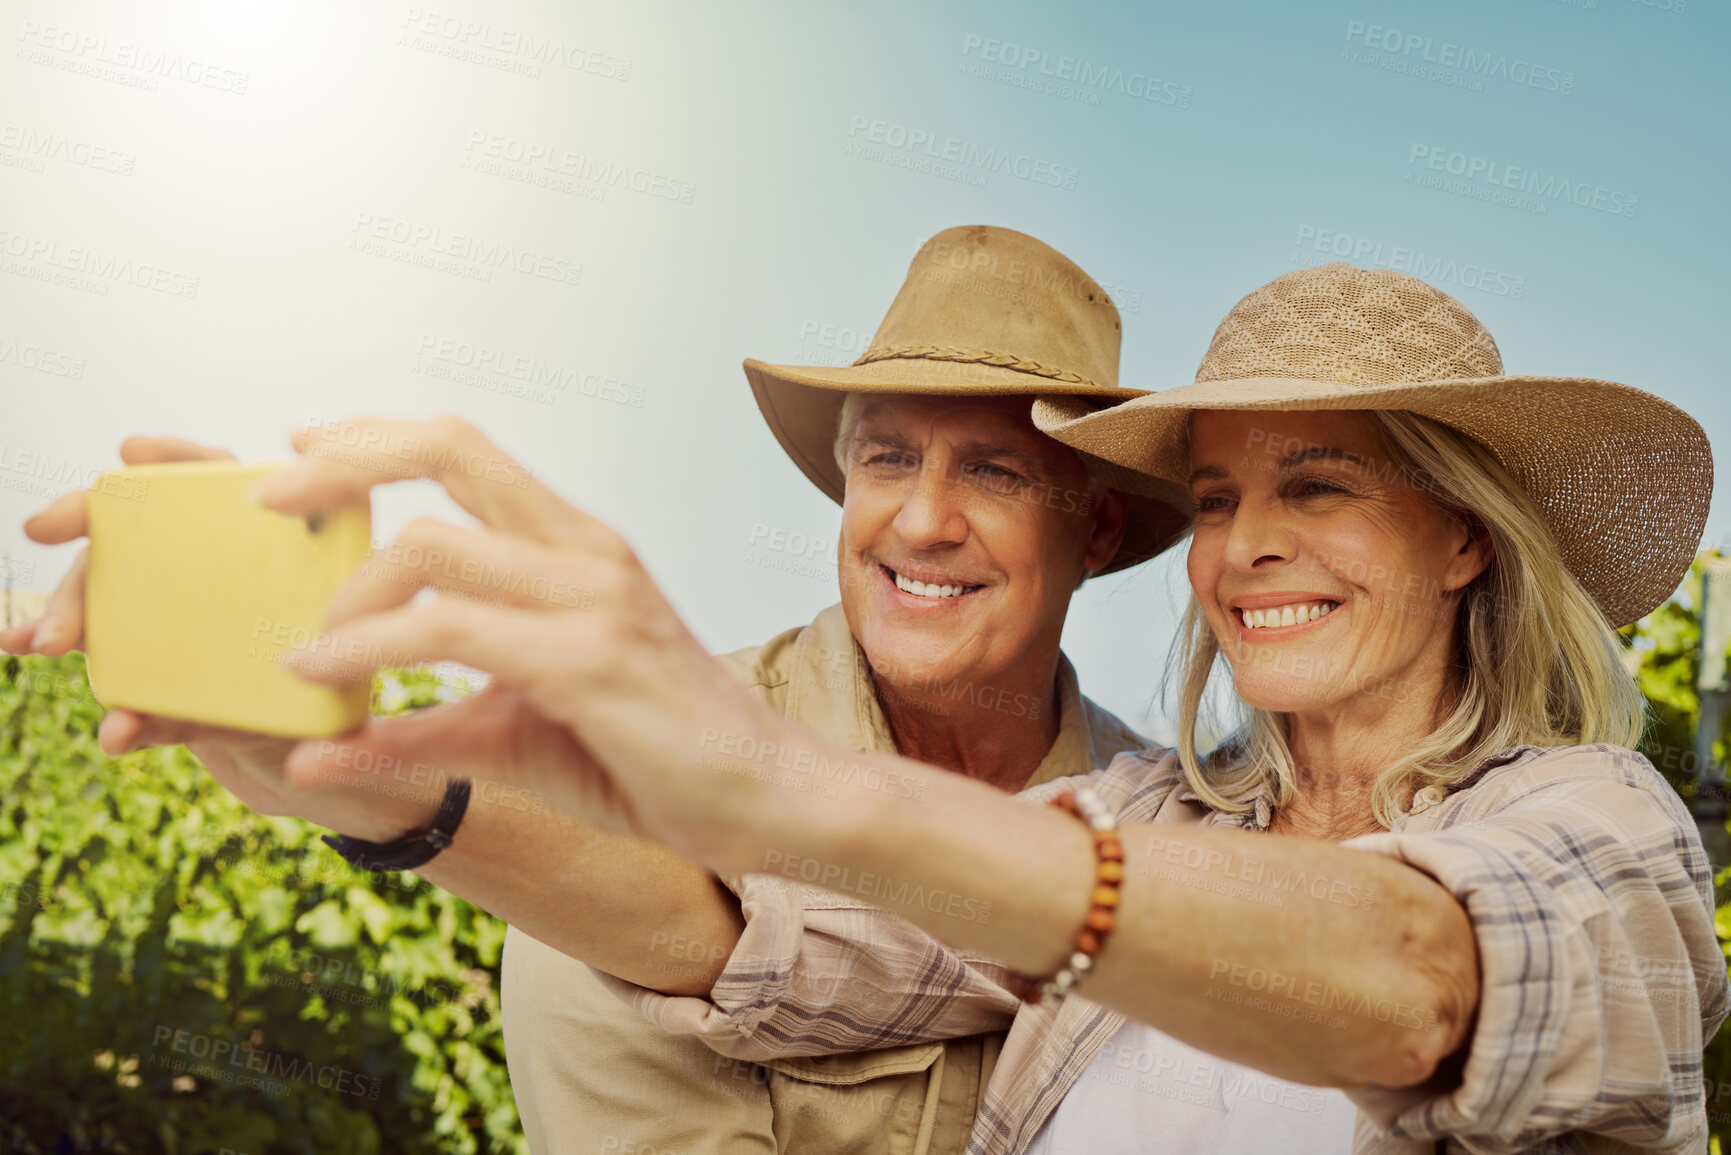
{"x":964,"y":533}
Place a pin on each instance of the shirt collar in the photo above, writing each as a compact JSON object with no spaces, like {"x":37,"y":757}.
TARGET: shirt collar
{"x":1261,"y":811}
{"x":1257,"y":817}
{"x":830,"y":689}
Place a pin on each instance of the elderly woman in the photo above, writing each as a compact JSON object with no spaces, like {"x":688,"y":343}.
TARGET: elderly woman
{"x":1426,"y":870}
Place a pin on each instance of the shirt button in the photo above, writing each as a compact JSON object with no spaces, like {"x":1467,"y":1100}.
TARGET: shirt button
{"x":1425,"y":799}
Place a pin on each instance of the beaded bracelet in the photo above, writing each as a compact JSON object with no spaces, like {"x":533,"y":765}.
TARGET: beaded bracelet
{"x":1102,"y":901}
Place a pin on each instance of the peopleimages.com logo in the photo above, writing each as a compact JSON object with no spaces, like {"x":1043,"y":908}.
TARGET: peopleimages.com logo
{"x":1484,"y":178}
{"x":464,"y":254}
{"x":502,"y":47}
{"x":1037,"y":69}
{"x":40,"y":359}
{"x":123,"y":61}
{"x":225,"y":1061}
{"x":1460,"y":57}
{"x":874,"y":138}
{"x":34,"y":146}
{"x":1318,"y":246}
{"x":94,"y":269}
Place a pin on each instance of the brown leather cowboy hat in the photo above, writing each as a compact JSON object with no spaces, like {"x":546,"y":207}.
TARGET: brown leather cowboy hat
{"x":984,"y":312}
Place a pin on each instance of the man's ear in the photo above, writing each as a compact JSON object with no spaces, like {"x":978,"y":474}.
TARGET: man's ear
{"x":1108,"y":516}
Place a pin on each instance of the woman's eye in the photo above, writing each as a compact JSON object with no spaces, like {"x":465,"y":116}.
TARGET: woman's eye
{"x":1316,"y":487}
{"x":1213,"y":503}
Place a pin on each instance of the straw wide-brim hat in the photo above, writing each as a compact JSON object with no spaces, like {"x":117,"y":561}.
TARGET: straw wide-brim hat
{"x":984,"y":312}
{"x":1622,"y":477}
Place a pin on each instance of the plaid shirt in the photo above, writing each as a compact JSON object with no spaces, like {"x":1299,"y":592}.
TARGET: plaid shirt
{"x":1581,"y":872}
{"x":584,"y":1064}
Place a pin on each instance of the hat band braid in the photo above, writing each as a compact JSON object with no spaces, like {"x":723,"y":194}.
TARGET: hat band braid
{"x":971,"y":356}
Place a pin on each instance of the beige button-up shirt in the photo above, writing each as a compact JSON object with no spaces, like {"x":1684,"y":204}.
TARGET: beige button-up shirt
{"x":769,"y":1062}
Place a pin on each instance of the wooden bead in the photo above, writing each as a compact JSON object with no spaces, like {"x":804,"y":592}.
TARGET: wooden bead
{"x":1104,"y":898}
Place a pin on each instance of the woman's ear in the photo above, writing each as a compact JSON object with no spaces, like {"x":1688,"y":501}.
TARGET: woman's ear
{"x":1473,"y":553}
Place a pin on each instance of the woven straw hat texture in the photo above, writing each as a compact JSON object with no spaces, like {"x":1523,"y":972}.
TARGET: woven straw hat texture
{"x":1622,"y":477}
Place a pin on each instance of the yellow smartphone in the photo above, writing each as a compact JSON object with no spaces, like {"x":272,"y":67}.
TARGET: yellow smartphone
{"x":193,"y":591}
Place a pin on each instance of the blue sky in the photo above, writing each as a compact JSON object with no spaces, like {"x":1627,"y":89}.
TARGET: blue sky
{"x":1278,"y":134}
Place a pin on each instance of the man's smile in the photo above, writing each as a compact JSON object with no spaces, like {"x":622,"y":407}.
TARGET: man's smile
{"x":929,"y":584}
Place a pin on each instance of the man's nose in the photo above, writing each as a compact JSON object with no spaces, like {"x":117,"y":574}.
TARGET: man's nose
{"x":934,"y":512}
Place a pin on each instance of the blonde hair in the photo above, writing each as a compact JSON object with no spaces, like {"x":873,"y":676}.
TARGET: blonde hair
{"x":1535,"y":662}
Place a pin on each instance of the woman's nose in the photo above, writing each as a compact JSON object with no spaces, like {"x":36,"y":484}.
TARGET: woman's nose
{"x":1259,"y":536}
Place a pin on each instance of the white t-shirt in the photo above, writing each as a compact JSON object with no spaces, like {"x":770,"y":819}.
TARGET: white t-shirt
{"x":1146,"y":1093}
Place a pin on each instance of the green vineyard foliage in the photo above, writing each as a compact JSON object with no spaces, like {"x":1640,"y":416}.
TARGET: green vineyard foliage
{"x":181,"y":975}
{"x":1665,"y":651}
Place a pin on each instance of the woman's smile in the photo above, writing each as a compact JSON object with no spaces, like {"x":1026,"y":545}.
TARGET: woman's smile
{"x":1272,"y":617}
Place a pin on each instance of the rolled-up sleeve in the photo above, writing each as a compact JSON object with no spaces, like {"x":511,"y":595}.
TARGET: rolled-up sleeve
{"x":817,"y":973}
{"x":1601,"y":977}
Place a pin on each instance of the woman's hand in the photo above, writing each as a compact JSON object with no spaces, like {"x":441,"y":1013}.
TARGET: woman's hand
{"x":556,"y":607}
{"x":242,"y":762}
{"x":60,"y":629}
{"x":493,"y":737}
{"x":385,"y":779}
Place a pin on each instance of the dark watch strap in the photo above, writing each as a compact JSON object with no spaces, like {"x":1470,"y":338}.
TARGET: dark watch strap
{"x":411,"y":850}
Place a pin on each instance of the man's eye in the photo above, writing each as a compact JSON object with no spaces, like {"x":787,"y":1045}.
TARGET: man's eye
{"x":996,"y":477}
{"x":888,"y":459}
{"x":1213,"y":503}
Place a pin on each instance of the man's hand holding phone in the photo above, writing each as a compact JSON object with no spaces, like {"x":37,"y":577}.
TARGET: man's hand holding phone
{"x":60,"y":629}
{"x":249,"y":765}
{"x":494,"y":737}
